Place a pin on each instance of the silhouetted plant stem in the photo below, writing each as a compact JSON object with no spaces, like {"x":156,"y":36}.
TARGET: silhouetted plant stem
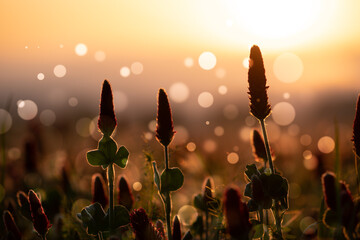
{"x":277,"y":219}
{"x":3,"y":156}
{"x":167,"y":198}
{"x":110,"y":173}
{"x":267,"y":147}
{"x":206,"y":224}
{"x":357,"y":173}
{"x":275,"y":203}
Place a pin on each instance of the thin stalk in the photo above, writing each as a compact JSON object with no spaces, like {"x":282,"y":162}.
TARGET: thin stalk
{"x":268,"y":154}
{"x":267,"y":146}
{"x":111,"y":195}
{"x":357,"y":173}
{"x":167,"y":198}
{"x":261,"y":218}
{"x":206,"y":224}
{"x":3,"y":156}
{"x":275,"y":211}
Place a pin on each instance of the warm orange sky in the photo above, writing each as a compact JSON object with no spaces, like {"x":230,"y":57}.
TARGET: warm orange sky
{"x":324,"y":34}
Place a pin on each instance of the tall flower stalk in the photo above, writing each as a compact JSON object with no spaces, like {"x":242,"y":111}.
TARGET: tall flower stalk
{"x":356,"y":141}
{"x":108,"y":152}
{"x":171,"y":179}
{"x":261,"y":109}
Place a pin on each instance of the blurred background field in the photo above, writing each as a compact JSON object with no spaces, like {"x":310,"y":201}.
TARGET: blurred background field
{"x":55,"y":55}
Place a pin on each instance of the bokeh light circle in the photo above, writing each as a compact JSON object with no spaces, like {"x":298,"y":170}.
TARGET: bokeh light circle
{"x":137,"y":186}
{"x":288,"y":67}
{"x":83,"y":127}
{"x":137,"y":68}
{"x":207,"y":60}
{"x":283,"y":113}
{"x":40,"y":76}
{"x":233,"y":158}
{"x":125,"y":72}
{"x":59,"y":71}
{"x":187,"y":215}
{"x":100,"y":56}
{"x":5,"y":121}
{"x":220,"y":73}
{"x":47,"y":117}
{"x":73,"y":101}
{"x":191,"y":147}
{"x":81,"y":49}
{"x":205,"y":99}
{"x":179,"y":92}
{"x":189,"y":62}
{"x":231,"y":111}
{"x":27,"y":109}
{"x":326,"y":144}
{"x":219,"y":131}
{"x":209,"y":145}
{"x":222,"y":89}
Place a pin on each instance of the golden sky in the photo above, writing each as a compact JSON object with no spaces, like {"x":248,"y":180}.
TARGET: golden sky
{"x":37,"y":35}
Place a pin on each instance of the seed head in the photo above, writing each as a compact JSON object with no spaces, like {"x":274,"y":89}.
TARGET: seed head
{"x":124,"y":196}
{"x":24,"y":204}
{"x":39,"y":218}
{"x":164,"y":123}
{"x":356,"y":129}
{"x":11,"y":226}
{"x":107,"y":119}
{"x":160,"y":227}
{"x":143,"y":228}
{"x":258,"y":146}
{"x":176,"y":229}
{"x":328,"y":180}
{"x":207,"y":191}
{"x":98,"y":189}
{"x":259,"y":106}
{"x":237,"y":214}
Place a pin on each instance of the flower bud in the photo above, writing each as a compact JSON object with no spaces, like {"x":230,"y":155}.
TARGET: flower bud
{"x":259,"y":106}
{"x":124,"y":196}
{"x":356,"y":129}
{"x":176,"y":229}
{"x":208,"y":192}
{"x":258,"y":146}
{"x":236,"y":214}
{"x":329,"y":189}
{"x":98,"y":189}
{"x":160,"y":227}
{"x":107,"y":119}
{"x":143,"y":228}
{"x":11,"y":226}
{"x":23,"y":202}
{"x":328,"y":180}
{"x":39,"y":218}
{"x":164,"y":123}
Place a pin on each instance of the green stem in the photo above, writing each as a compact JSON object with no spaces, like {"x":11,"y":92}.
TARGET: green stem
{"x":167,"y":198}
{"x":111,"y":196}
{"x":267,"y":146}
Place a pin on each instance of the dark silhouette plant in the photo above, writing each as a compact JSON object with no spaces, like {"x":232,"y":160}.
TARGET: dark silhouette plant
{"x":106,"y":155}
{"x":266,"y":188}
{"x":171,"y":179}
